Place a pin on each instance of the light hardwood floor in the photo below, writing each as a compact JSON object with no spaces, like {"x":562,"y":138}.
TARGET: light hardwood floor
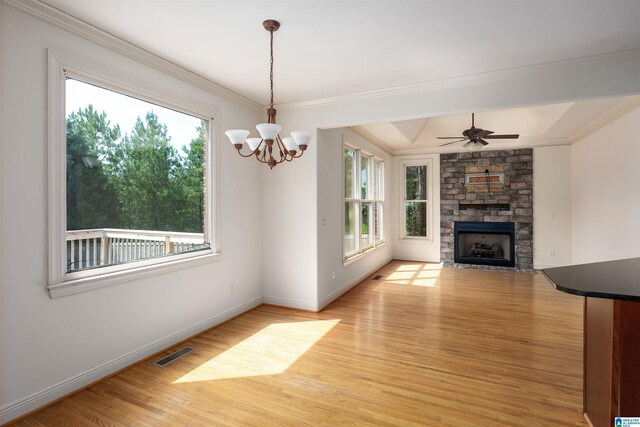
{"x":422,"y":346}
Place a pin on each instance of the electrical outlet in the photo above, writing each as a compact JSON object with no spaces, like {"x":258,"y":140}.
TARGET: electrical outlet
{"x":333,"y":275}
{"x":551,"y":215}
{"x":323,"y":221}
{"x":552,"y":252}
{"x":232,"y":289}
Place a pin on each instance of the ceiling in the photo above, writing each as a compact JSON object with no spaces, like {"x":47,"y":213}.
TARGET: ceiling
{"x":542,"y":125}
{"x":342,"y":47}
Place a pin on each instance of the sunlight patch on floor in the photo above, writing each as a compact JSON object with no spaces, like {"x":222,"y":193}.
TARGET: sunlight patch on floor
{"x":398,"y":282}
{"x":401,"y":275}
{"x":430,"y":283}
{"x":408,"y":267}
{"x":428,"y":274}
{"x":270,"y":351}
{"x":416,"y":275}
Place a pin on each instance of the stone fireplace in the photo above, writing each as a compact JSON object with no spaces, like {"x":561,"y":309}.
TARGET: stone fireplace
{"x":486,"y":209}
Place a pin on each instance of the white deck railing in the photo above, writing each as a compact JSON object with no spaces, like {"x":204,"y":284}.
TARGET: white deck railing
{"x":107,"y":246}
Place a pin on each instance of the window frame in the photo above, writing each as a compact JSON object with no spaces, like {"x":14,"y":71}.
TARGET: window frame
{"x":63,"y":283}
{"x":359,"y":202}
{"x":428,"y":163}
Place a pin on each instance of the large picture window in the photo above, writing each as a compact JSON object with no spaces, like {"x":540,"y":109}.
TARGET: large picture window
{"x":415,"y":201}
{"x":364,"y":202}
{"x":135,"y":178}
{"x":134,"y":181}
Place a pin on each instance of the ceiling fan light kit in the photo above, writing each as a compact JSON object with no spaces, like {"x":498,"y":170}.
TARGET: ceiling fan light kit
{"x":287,"y":148}
{"x":475,"y":137}
{"x":472,"y":146}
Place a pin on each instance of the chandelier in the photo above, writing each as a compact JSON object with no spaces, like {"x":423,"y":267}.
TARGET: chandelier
{"x":263,"y":148}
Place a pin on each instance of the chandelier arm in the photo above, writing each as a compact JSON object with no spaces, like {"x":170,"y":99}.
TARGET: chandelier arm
{"x":247,"y":155}
{"x":260,"y":151}
{"x":283,"y":150}
{"x":260,"y":158}
{"x":281,"y":157}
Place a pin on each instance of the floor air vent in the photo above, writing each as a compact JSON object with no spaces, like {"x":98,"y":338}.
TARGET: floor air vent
{"x":378,"y":277}
{"x":173,"y":356}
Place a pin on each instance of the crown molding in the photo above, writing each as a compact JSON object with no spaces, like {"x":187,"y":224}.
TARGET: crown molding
{"x":572,"y":64}
{"x":372,"y":139}
{"x":531,"y":143}
{"x":87,"y":31}
{"x":606,"y":118}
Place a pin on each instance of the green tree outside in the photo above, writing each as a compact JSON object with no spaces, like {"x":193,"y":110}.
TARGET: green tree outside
{"x":139,"y":181}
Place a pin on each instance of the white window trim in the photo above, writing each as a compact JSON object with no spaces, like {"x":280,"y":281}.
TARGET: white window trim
{"x":428,"y":162}
{"x":60,"y":283}
{"x":348,"y":259}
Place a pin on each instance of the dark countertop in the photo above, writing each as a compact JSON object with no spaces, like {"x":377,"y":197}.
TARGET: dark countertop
{"x":618,"y":279}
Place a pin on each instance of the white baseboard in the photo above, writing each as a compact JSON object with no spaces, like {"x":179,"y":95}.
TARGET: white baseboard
{"x":344,"y":288}
{"x":414,"y":258}
{"x":291,"y":303}
{"x":41,"y":398}
{"x":541,"y":266}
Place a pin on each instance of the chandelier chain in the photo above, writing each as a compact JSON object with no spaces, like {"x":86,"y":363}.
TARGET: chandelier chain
{"x":271,"y":67}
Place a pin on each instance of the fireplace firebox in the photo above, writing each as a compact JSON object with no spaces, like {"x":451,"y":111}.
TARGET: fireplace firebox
{"x":484,"y":243}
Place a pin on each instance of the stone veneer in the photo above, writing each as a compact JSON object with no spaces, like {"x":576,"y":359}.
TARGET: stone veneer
{"x":517,"y":166}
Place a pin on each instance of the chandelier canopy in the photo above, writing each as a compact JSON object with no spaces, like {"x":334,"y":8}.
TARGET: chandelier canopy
{"x":287,"y":148}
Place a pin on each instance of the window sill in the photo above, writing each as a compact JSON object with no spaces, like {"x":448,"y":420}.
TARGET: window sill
{"x":417,"y":240}
{"x":354,"y":258}
{"x":77,"y":286}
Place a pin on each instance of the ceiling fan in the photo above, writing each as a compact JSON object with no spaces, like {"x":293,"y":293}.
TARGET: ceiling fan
{"x":476,"y":136}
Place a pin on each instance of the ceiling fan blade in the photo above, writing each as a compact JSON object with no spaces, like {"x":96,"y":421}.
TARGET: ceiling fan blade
{"x":512,"y":136}
{"x":484,"y":133}
{"x":452,"y":142}
{"x":482,"y":141}
{"x":447,"y":137}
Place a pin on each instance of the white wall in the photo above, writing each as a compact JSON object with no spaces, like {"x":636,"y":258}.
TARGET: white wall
{"x":408,"y":249}
{"x":551,"y":206}
{"x":289,"y":231}
{"x":50,"y":347}
{"x":330,"y":206}
{"x":605,"y":192}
